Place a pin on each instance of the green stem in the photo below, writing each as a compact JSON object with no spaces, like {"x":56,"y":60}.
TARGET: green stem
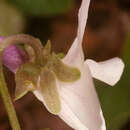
{"x":7,"y":101}
{"x":16,"y":39}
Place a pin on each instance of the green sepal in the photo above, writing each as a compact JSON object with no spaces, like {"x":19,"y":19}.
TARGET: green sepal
{"x":46,"y":52}
{"x":26,"y":79}
{"x":47,"y":48}
{"x":20,"y":91}
{"x":63,"y":72}
{"x":60,"y":55}
{"x":30,"y":52}
{"x":49,"y":91}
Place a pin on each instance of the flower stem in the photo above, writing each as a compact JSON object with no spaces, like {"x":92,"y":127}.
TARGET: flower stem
{"x":16,"y":39}
{"x":7,"y":101}
{"x":24,"y":39}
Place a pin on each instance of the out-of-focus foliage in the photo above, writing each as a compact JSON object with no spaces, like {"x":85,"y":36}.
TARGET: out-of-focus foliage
{"x":11,"y":20}
{"x":116,"y":100}
{"x":43,"y":7}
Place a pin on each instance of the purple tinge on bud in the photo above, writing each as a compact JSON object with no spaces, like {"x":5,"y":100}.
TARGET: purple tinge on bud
{"x":13,"y":57}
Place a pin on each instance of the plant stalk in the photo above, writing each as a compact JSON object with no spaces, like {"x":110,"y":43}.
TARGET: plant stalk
{"x":16,"y":39}
{"x":7,"y":101}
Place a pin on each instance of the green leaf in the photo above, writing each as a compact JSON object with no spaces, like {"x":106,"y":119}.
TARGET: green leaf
{"x":43,"y":7}
{"x":115,"y":100}
{"x":49,"y":91}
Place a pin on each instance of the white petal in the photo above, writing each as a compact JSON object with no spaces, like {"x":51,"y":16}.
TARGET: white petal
{"x":80,"y":106}
{"x":75,"y":53}
{"x":108,"y":71}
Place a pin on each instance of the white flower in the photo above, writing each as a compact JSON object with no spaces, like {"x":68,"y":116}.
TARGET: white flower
{"x":80,"y":107}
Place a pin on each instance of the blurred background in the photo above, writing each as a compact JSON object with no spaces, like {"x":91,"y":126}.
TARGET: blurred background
{"x":107,"y":35}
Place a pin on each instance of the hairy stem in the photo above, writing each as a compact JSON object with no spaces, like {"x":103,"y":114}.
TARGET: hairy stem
{"x":24,"y":39}
{"x":7,"y":101}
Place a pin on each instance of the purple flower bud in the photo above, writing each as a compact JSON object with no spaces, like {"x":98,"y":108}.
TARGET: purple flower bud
{"x":13,"y":57}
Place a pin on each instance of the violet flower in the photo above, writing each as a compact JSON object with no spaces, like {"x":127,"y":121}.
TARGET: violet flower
{"x":80,"y":107}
